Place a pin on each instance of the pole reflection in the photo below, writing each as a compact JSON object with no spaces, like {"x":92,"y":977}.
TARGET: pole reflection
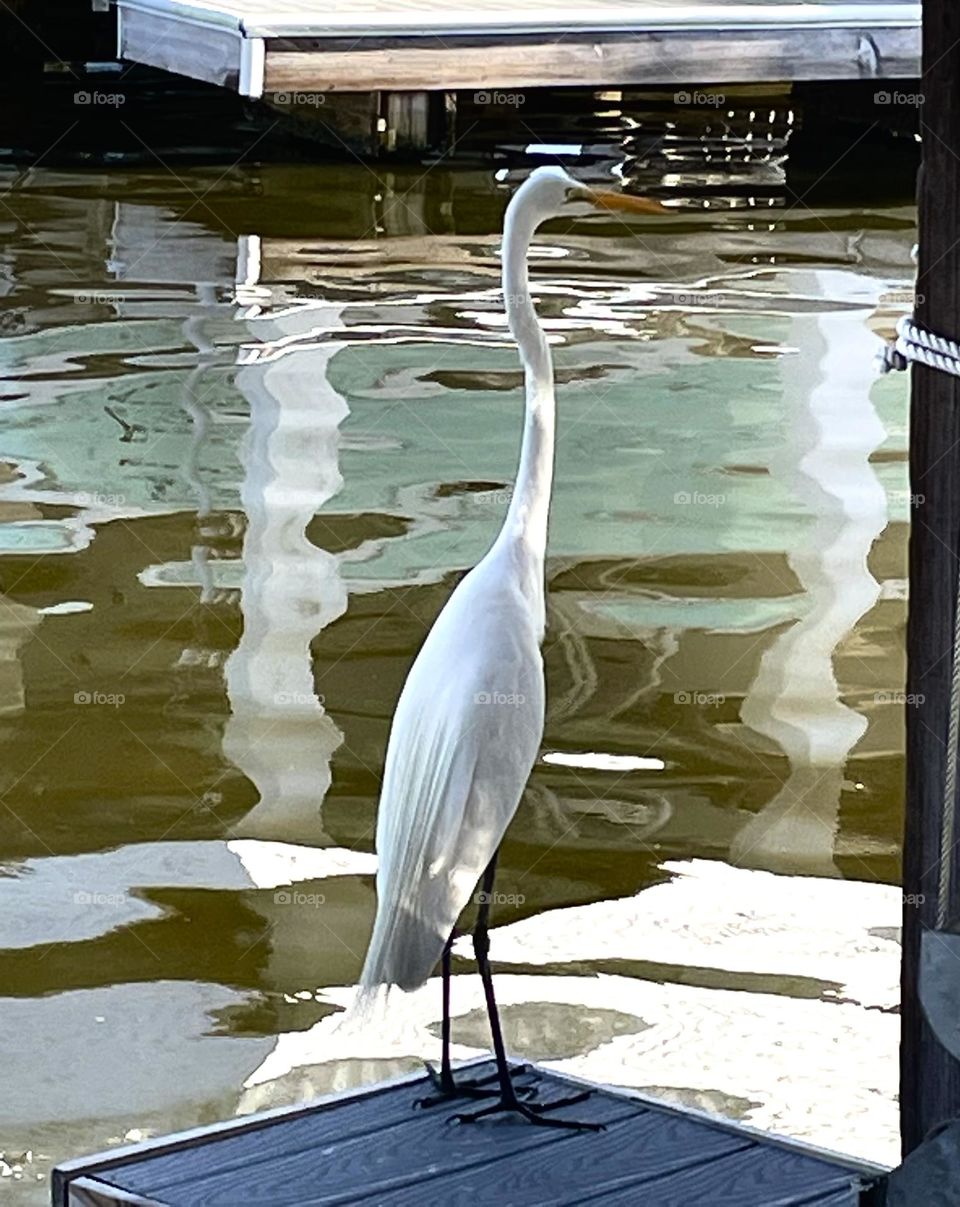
{"x":278,"y":732}
{"x":832,"y":427}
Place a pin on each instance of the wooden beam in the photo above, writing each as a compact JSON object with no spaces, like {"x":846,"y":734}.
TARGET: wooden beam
{"x":929,"y":1077}
{"x":534,"y":61}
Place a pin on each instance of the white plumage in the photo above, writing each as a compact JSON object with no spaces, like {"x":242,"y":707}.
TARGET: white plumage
{"x":465,"y":736}
{"x":469,"y":721}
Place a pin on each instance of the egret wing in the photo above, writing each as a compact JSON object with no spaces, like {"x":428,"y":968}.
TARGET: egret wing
{"x":460,"y":751}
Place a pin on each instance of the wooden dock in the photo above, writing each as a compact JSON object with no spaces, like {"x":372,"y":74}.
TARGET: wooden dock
{"x":376,"y":1146}
{"x":445,"y":45}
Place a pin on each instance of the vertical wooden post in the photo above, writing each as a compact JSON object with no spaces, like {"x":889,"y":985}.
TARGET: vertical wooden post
{"x":929,"y":1077}
{"x":408,"y":121}
{"x":417,"y":121}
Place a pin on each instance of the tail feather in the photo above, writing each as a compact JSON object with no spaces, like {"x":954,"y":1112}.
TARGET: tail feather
{"x":403,"y":951}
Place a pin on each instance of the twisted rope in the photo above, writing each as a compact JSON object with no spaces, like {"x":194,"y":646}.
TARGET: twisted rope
{"x":917,"y":345}
{"x":948,"y":812}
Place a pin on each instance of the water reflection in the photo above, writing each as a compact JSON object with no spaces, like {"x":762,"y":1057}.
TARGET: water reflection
{"x":318,"y":451}
{"x":278,"y":732}
{"x":195,"y":405}
{"x":17,"y":624}
{"x":832,"y":429}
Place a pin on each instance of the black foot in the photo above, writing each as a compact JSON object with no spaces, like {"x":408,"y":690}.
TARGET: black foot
{"x":535,"y":1112}
{"x":479,"y":1087}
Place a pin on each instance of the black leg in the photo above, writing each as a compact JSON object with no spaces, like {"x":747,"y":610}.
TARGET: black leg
{"x":443,"y":1081}
{"x":445,"y":1087}
{"x":509,"y":1100}
{"x":446,"y":1073}
{"x":481,"y":947}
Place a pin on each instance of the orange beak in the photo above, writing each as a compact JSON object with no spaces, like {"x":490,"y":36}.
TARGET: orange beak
{"x":605,"y":199}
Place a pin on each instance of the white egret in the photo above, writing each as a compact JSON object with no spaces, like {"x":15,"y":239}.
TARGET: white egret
{"x":469,"y":721}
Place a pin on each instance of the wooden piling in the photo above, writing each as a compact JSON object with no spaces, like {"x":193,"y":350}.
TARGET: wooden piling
{"x":929,"y":1076}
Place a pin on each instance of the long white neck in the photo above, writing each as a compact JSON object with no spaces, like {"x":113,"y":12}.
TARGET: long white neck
{"x":525,"y":525}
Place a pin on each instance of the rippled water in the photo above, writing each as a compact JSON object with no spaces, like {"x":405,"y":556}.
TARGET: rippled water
{"x":256,"y":421}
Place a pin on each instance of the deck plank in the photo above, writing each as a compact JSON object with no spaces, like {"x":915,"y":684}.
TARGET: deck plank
{"x":759,"y":1176}
{"x":411,"y":1166}
{"x":377,"y":1147}
{"x":558,"y":1175}
{"x":387,"y":1137}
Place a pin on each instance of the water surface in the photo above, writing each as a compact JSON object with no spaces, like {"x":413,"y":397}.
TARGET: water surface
{"x":257,"y":420}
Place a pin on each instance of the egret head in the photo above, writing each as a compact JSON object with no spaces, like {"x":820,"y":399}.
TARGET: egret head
{"x":550,"y":192}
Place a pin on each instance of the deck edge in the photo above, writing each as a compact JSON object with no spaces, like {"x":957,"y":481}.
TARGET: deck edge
{"x":790,"y":1142}
{"x":93,"y":1164}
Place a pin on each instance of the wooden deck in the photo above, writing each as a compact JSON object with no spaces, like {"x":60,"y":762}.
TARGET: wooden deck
{"x":446,"y":45}
{"x":375,"y":1146}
